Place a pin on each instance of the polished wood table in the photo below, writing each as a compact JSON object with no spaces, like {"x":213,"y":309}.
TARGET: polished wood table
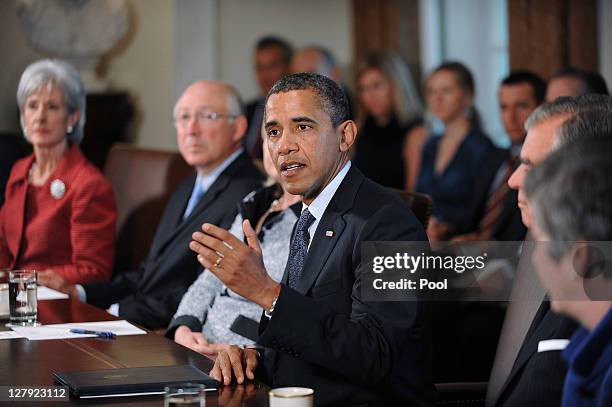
{"x":32,"y":363}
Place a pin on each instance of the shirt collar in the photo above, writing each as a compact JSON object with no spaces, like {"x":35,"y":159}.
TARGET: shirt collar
{"x":207,"y":180}
{"x":319,"y":204}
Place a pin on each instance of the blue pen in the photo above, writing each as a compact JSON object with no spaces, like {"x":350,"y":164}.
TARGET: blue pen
{"x":99,"y":334}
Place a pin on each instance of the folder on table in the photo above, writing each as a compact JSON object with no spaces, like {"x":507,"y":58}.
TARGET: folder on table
{"x":132,"y":381}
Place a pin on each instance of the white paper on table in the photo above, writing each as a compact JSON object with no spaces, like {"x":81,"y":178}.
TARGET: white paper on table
{"x":10,"y":335}
{"x":46,"y":293}
{"x":62,"y":331}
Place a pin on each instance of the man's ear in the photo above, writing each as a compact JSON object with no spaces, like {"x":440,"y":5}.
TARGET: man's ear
{"x":241,"y":125}
{"x":348,"y":135}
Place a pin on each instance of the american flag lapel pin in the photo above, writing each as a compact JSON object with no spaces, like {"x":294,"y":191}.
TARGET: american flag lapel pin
{"x":329,"y":233}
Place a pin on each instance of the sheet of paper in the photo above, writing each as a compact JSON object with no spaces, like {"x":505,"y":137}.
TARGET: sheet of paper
{"x":62,"y":331}
{"x":10,"y":335}
{"x":46,"y":293}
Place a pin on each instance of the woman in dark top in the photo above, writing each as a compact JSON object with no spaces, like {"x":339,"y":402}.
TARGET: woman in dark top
{"x":451,"y":161}
{"x":391,"y":136}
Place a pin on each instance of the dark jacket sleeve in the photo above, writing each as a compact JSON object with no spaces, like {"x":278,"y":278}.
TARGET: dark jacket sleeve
{"x":104,"y":294}
{"x":364,"y":345}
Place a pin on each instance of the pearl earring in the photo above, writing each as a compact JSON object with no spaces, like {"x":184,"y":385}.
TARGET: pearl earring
{"x":69,"y":129}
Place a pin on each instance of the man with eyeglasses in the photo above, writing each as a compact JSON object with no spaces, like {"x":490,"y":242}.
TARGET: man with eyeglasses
{"x":210,"y":124}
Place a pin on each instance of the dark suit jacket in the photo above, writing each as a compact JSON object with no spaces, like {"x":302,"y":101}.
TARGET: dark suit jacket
{"x":537,"y":378}
{"x":323,"y":336}
{"x":150,"y":295}
{"x":509,"y":226}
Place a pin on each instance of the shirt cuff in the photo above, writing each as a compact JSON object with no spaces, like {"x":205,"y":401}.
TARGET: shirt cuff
{"x":82,"y":293}
{"x":113,"y":309}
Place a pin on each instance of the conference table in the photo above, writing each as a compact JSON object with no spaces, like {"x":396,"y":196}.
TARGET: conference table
{"x":32,"y":363}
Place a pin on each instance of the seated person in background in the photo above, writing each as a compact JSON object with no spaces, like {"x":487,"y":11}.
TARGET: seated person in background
{"x":575,"y":82}
{"x":318,"y":59}
{"x":10,"y":152}
{"x":317,"y":330}
{"x":451,"y":163}
{"x":208,"y":309}
{"x":272,"y":60}
{"x":391,"y":134}
{"x":493,"y":213}
{"x":570,"y":196}
{"x":516,"y":378}
{"x":210,"y":124}
{"x":59,"y":215}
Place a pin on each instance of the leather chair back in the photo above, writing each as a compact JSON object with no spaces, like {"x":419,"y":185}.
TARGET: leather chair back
{"x":143,"y":181}
{"x":420,"y":204}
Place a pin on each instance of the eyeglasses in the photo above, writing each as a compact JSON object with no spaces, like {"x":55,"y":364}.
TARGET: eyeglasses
{"x":204,"y":118}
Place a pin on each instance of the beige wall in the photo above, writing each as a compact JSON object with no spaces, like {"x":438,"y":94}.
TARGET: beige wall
{"x":243,"y":22}
{"x":16,"y":54}
{"x":146,"y":69}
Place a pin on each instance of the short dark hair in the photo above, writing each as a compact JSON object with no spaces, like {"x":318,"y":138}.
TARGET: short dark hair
{"x":538,"y":85}
{"x":592,"y":82}
{"x":331,"y":96}
{"x":272,"y":42}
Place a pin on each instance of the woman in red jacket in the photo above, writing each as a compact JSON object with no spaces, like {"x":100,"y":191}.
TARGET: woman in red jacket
{"x":59,"y":214}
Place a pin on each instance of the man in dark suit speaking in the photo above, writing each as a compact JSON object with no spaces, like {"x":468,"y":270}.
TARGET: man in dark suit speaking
{"x":210,"y":124}
{"x":316,"y":330}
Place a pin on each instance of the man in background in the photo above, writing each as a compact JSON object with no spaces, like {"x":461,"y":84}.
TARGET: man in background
{"x":516,"y":378}
{"x":318,"y":59}
{"x":210,"y":125}
{"x":495,"y":214}
{"x":575,"y":82}
{"x":272,"y":61}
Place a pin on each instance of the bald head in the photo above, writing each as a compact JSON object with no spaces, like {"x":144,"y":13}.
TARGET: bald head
{"x":209,"y":124}
{"x":222,"y":90}
{"x":315,"y":59}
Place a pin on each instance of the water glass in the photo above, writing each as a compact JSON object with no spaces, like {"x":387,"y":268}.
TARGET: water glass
{"x":22,"y":298}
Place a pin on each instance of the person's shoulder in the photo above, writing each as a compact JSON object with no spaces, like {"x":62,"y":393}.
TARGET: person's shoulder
{"x":381,"y":214}
{"x":478,"y":144}
{"x":21,"y":167}
{"x":242,"y":169}
{"x":85,"y":173}
{"x":373,"y":198}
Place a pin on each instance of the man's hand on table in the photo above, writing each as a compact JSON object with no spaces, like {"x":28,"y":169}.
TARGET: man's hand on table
{"x":239,"y":266}
{"x":235,"y":362}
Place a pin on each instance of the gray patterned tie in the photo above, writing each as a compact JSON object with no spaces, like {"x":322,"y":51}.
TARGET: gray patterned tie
{"x":299,"y":248}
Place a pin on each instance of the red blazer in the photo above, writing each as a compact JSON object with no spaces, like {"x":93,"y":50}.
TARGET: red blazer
{"x":71,"y":233}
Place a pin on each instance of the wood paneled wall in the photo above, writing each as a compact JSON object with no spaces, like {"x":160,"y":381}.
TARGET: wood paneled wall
{"x":546,"y":36}
{"x":387,"y":25}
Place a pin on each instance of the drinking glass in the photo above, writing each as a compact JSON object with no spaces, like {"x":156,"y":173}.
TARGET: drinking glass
{"x":22,"y":298}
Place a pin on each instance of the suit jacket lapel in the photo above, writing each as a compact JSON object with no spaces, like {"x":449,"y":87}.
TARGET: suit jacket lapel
{"x":194,"y":220}
{"x":539,"y":329}
{"x":322,"y":245}
{"x":18,"y":187}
